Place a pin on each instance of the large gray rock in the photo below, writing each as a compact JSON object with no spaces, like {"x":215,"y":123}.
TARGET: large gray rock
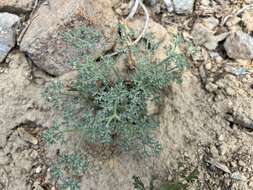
{"x":16,"y":6}
{"x":239,"y":45}
{"x":184,"y":6}
{"x":42,"y":41}
{"x":8,"y":25}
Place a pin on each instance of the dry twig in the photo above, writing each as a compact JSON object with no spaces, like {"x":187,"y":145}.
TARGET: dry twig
{"x":240,"y":11}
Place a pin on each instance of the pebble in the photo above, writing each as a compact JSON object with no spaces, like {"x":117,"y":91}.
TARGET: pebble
{"x":241,"y":163}
{"x":247,"y":20}
{"x":38,"y":169}
{"x":238,"y":176}
{"x":169,"y":5}
{"x":211,"y":87}
{"x":230,"y":91}
{"x":214,"y":151}
{"x":27,"y":136}
{"x":233,"y":21}
{"x":208,"y":66}
{"x":239,"y":45}
{"x":210,"y":22}
{"x":223,"y":149}
{"x":3,"y":158}
{"x":216,"y":57}
{"x":184,"y":6}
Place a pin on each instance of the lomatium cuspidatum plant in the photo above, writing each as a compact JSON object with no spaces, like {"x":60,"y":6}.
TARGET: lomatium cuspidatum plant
{"x":104,"y":105}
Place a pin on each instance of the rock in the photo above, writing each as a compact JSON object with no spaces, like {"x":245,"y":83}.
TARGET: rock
{"x":14,"y":6}
{"x":36,"y":186}
{"x":169,"y":5}
{"x":233,"y":21}
{"x":230,"y":91}
{"x":219,"y":165}
{"x":239,"y":45}
{"x":8,"y":25}
{"x":214,"y":151}
{"x":203,"y":35}
{"x":238,"y":176}
{"x":3,"y":158}
{"x":247,"y":20}
{"x":45,"y":46}
{"x":38,"y":169}
{"x":244,"y":119}
{"x":214,"y":40}
{"x":210,"y":22}
{"x":205,"y":2}
{"x":184,"y":6}
{"x":27,"y":136}
{"x":216,"y":57}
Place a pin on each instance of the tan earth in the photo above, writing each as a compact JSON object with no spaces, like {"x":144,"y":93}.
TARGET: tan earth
{"x":206,"y":122}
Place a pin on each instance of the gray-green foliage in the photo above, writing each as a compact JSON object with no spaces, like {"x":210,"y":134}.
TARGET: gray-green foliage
{"x":66,"y":170}
{"x":108,"y":110}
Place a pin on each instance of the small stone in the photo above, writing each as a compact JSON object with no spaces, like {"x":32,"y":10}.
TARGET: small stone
{"x":233,"y":21}
{"x":38,"y":170}
{"x":27,"y":136}
{"x":230,"y":91}
{"x":214,"y":40}
{"x":205,"y":2}
{"x":208,"y":66}
{"x":221,"y":138}
{"x":39,"y":81}
{"x":233,"y":164}
{"x":211,"y":87}
{"x":169,"y":5}
{"x":203,"y":35}
{"x":238,"y":176}
{"x":244,"y":120}
{"x":210,"y":22}
{"x":219,"y":165}
{"x":214,"y":151}
{"x":223,"y":149}
{"x":217,"y":58}
{"x":184,"y":6}
{"x":241,"y":163}
{"x":239,"y":45}
{"x":3,"y":158}
{"x":247,"y":20}
{"x":34,"y":154}
{"x":8,"y":25}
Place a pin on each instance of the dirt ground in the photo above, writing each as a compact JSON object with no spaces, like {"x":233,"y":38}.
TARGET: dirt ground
{"x":206,"y":122}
